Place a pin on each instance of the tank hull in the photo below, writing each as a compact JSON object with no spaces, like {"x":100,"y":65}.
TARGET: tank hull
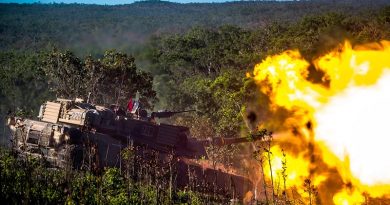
{"x":91,"y":138}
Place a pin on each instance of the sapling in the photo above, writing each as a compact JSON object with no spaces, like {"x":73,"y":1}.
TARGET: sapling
{"x":310,"y":189}
{"x":284,"y":175}
{"x":269,"y":153}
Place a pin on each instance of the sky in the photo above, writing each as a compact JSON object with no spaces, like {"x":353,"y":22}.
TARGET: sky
{"x":101,"y":2}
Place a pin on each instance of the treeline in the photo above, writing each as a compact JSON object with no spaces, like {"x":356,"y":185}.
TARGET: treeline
{"x":29,"y":79}
{"x":92,"y":29}
{"x":202,"y":69}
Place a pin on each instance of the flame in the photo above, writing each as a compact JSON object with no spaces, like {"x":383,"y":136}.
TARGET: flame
{"x":342,"y":122}
{"x":348,"y":198}
{"x":299,"y":167}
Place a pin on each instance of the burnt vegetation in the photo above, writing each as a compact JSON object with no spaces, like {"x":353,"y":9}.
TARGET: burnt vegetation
{"x":178,"y":57}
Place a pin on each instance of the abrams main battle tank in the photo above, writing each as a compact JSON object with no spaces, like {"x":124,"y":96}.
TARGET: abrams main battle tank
{"x":73,"y":134}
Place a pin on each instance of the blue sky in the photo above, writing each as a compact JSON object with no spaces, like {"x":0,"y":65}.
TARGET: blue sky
{"x":102,"y":2}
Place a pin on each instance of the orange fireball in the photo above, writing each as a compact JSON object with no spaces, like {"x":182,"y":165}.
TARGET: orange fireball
{"x":348,"y":116}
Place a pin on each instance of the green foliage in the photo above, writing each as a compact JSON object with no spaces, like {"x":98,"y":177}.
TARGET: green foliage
{"x":65,"y":74}
{"x":112,"y":79}
{"x":188,"y":197}
{"x":205,"y":69}
{"x":84,"y":189}
{"x":113,"y":188}
{"x":92,"y":29}
{"x":202,"y":51}
{"x":27,"y":180}
{"x":219,"y":100}
{"x":22,"y":83}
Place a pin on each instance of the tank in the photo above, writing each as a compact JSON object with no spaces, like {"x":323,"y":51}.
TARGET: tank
{"x":78,"y":135}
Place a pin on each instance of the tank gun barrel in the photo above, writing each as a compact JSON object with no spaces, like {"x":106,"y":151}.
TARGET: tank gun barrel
{"x":167,"y":114}
{"x":223,"y":141}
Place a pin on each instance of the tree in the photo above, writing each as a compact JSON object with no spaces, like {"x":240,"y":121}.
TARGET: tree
{"x":66,"y":74}
{"x":22,"y":82}
{"x":110,"y":80}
